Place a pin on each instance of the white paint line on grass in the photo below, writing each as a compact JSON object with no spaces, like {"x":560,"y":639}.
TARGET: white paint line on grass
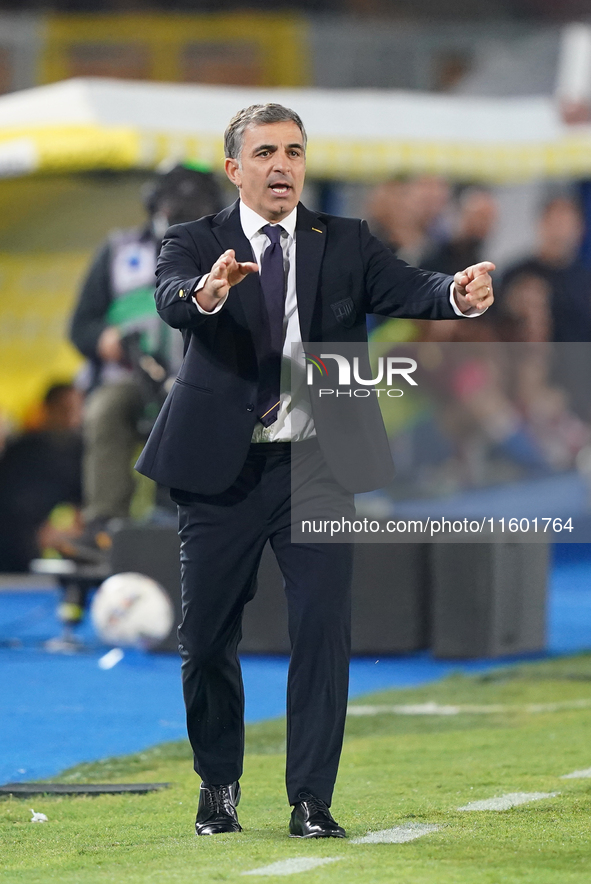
{"x":397,"y":835}
{"x":577,"y":774}
{"x":439,"y":709}
{"x":292,"y":866}
{"x":504,"y":802}
{"x":417,"y":709}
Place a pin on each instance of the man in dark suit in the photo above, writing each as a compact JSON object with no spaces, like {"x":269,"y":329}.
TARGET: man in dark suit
{"x":227,"y":434}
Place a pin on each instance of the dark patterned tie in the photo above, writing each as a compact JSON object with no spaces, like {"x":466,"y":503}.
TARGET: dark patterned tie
{"x":272,"y":277}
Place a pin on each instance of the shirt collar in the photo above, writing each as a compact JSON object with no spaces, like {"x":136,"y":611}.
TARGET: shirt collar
{"x":252,"y":222}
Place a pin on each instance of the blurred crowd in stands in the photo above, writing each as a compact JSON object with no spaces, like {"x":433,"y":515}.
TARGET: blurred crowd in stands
{"x":494,"y":413}
{"x":543,"y":296}
{"x":483,"y":414}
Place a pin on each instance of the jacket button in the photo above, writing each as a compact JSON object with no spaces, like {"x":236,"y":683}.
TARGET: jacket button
{"x":182,"y":293}
{"x":250,"y":407}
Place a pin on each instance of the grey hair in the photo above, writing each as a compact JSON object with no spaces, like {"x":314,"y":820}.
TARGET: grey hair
{"x":257,"y":115}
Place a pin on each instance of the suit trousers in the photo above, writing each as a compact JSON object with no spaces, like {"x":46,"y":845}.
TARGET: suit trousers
{"x":222,"y":539}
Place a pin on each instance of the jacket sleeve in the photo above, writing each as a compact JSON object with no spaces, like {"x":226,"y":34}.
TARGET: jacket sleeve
{"x":178,"y":271}
{"x":394,"y":288}
{"x":95,"y":296}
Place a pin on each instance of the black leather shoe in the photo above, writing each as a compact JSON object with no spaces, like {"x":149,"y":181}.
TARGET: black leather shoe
{"x":216,"y":813}
{"x":310,"y":818}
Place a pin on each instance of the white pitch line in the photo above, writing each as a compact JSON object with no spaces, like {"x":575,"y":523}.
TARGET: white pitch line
{"x":439,"y":709}
{"x":577,"y":774}
{"x":418,"y":709}
{"x":504,"y":802}
{"x":397,"y":835}
{"x":292,"y":866}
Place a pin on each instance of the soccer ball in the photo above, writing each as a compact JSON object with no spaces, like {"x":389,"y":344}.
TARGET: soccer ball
{"x":131,"y":610}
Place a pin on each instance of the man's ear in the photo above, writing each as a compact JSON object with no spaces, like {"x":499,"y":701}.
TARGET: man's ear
{"x":232,"y":168}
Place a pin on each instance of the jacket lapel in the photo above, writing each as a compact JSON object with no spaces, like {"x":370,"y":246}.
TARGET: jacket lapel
{"x":310,"y":245}
{"x":227,"y":229}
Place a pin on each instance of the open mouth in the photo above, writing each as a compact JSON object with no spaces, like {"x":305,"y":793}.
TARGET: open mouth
{"x":280,"y":189}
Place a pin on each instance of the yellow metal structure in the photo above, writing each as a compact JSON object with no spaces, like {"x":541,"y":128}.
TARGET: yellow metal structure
{"x":251,"y":49}
{"x":49,"y":228}
{"x":38,"y":292}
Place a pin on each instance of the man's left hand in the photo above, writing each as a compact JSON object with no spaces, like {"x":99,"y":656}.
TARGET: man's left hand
{"x":473,"y":290}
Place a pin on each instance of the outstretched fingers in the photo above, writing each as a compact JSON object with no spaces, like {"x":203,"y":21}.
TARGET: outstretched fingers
{"x":481,"y":269}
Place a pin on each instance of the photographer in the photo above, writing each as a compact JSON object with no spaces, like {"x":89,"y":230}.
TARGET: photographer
{"x":130,"y":350}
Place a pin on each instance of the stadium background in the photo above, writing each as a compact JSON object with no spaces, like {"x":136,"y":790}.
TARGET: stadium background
{"x":445,"y":51}
{"x":52,"y":218}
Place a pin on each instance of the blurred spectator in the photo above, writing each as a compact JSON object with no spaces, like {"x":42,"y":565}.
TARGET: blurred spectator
{"x":556,"y":264}
{"x":403,"y":213}
{"x":484,"y":415}
{"x":476,"y":218}
{"x":131,"y":351}
{"x":39,"y":470}
{"x":526,"y":311}
{"x":457,"y":331}
{"x":546,"y":407}
{"x":477,"y":215}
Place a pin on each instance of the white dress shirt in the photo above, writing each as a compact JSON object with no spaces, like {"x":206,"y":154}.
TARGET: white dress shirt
{"x":294,"y":418}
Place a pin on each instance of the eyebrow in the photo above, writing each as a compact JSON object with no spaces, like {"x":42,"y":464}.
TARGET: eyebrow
{"x":275,"y":147}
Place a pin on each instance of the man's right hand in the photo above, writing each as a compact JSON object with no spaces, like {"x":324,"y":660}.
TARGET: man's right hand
{"x":225,"y":273}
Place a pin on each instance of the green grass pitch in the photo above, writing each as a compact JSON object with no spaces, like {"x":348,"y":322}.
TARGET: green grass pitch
{"x":395,"y":769}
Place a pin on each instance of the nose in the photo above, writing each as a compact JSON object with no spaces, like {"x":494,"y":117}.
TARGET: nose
{"x":282,"y":162}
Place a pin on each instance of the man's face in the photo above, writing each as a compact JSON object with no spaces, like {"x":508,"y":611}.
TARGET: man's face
{"x":271,"y":169}
{"x":561,"y":231}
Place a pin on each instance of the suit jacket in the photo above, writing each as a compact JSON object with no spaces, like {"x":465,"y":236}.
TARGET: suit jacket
{"x":201,"y":438}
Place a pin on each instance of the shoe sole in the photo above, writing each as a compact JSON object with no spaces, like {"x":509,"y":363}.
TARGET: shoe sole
{"x":331,"y":835}
{"x":229,"y":832}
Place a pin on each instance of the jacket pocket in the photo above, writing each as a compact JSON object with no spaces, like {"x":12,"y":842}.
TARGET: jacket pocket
{"x":185,"y":383}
